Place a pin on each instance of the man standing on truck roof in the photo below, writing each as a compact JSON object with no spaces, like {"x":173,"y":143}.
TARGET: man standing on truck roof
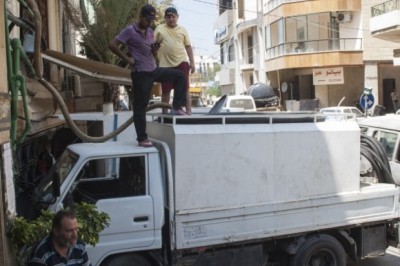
{"x":62,"y":246}
{"x":174,"y":52}
{"x":139,"y":39}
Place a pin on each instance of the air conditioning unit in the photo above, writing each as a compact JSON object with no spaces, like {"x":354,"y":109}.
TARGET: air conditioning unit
{"x":343,"y":17}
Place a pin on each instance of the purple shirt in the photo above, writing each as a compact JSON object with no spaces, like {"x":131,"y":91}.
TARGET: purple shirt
{"x":139,"y":45}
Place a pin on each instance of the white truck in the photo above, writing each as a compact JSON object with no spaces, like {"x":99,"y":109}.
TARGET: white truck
{"x":264,"y":189}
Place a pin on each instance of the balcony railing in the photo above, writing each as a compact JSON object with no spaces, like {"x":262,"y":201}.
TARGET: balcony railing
{"x":385,"y":7}
{"x":325,"y":45}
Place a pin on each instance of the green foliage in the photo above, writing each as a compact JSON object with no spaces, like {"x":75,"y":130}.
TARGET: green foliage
{"x":24,"y":234}
{"x":101,"y":20}
{"x":214,"y":91}
{"x":105,"y":19}
{"x":91,"y":222}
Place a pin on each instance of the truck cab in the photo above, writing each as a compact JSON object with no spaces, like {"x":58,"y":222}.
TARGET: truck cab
{"x":118,"y":179}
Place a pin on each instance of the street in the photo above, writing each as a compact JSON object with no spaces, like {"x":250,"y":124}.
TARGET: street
{"x":392,"y":257}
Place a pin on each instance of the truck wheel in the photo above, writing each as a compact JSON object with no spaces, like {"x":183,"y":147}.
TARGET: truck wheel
{"x":321,"y":250}
{"x":127,"y":260}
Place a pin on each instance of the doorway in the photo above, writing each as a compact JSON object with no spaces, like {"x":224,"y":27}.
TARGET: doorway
{"x":389,"y":85}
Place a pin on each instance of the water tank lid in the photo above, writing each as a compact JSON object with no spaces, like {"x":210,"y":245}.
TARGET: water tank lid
{"x":260,"y":91}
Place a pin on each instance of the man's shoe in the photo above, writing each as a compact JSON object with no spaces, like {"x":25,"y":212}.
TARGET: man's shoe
{"x":145,"y":143}
{"x":178,"y":112}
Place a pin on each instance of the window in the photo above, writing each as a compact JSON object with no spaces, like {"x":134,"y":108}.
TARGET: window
{"x":231,"y":52}
{"x":222,"y":54}
{"x":250,"y":48}
{"x":242,"y":103}
{"x":240,"y":8}
{"x":109,"y":178}
{"x":388,"y":141}
{"x":224,"y":5}
{"x":277,"y":32}
{"x":299,"y":34}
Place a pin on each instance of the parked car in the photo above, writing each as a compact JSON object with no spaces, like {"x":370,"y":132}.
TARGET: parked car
{"x":386,"y":129}
{"x":239,"y":103}
{"x":342,"y":113}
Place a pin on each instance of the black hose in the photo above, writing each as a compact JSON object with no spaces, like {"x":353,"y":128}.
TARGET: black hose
{"x":373,"y":151}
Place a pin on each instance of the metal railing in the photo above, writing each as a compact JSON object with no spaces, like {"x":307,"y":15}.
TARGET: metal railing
{"x":385,"y":7}
{"x":324,"y":45}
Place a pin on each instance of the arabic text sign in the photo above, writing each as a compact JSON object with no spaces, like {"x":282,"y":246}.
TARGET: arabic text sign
{"x":328,"y":76}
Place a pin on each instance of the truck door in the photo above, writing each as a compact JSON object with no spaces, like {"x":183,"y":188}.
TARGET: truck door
{"x":119,"y":187}
{"x":390,"y":141}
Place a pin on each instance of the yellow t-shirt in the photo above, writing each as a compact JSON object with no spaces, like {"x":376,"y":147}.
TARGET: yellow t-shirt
{"x":172,"y":50}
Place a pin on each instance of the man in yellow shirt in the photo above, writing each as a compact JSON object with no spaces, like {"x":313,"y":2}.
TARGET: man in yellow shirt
{"x":175,"y":51}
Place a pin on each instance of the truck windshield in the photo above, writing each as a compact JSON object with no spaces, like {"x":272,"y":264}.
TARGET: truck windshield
{"x":60,"y":170}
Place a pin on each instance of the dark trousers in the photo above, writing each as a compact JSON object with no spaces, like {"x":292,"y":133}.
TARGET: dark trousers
{"x":142,"y":83}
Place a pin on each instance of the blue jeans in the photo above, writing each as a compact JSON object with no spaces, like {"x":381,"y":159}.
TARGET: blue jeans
{"x":142,"y":83}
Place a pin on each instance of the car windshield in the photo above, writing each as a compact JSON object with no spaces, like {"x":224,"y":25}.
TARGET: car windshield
{"x":61,"y":170}
{"x":388,"y":141}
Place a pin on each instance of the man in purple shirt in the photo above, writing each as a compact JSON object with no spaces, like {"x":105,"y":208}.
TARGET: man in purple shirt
{"x":139,"y":39}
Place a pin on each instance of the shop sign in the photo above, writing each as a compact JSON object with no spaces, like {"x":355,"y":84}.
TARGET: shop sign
{"x":328,"y":76}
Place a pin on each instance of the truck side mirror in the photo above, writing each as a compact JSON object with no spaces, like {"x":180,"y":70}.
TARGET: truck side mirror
{"x":56,"y":185}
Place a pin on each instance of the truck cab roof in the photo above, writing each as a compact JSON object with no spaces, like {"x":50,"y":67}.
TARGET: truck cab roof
{"x":108,"y":148}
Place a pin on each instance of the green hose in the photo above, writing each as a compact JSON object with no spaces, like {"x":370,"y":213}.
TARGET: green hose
{"x":11,"y":85}
{"x":17,"y":84}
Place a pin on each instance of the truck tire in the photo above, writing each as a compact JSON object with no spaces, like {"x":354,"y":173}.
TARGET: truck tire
{"x":127,"y":260}
{"x":322,"y":250}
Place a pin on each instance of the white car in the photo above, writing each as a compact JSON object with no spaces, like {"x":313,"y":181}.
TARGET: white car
{"x":239,"y":103}
{"x":342,"y":113}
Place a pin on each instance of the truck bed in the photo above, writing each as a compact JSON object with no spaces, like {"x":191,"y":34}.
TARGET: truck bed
{"x":242,"y":177}
{"x":202,"y":227}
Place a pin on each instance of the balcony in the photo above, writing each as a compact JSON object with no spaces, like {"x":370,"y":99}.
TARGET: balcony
{"x":317,"y":46}
{"x":223,"y":28}
{"x":385,"y":21}
{"x":246,"y":24}
{"x":226,"y":76}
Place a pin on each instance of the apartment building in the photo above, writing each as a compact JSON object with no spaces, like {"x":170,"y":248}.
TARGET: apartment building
{"x":384,"y":25}
{"x":319,"y":49}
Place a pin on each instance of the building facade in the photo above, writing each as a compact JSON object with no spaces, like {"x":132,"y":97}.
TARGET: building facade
{"x":314,"y":49}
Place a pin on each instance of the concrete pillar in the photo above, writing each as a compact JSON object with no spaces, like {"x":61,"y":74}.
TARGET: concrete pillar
{"x":322,"y":93}
{"x":53,"y":15}
{"x":261,"y":42}
{"x":371,"y":79}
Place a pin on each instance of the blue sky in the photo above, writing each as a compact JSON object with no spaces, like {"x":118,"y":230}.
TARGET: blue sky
{"x":198,"y":17}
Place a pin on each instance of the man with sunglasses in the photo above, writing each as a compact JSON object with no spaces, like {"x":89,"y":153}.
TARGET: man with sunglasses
{"x":139,"y":40}
{"x":175,"y":52}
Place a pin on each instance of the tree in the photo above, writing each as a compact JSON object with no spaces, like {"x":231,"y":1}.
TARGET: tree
{"x":99,"y":21}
